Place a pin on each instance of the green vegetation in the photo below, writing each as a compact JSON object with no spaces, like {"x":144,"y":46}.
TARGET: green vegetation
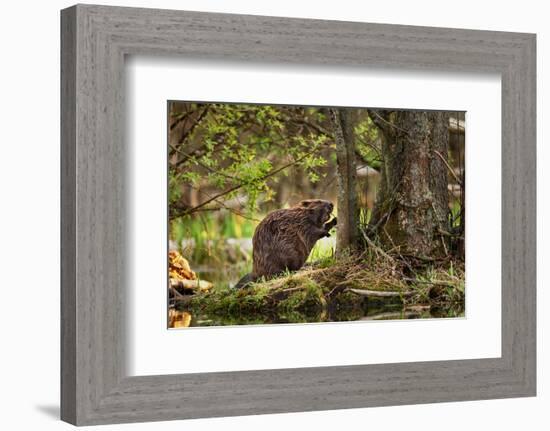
{"x":226,"y":148}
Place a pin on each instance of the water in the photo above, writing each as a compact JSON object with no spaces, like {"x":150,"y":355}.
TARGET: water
{"x":186,"y":318}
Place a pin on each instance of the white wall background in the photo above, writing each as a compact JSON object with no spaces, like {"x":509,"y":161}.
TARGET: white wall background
{"x":29,"y":216}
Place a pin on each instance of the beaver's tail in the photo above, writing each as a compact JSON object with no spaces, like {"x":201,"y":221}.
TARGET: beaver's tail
{"x":245,"y":281}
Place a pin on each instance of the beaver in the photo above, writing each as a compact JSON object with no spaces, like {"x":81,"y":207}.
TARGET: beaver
{"x":284,"y":238}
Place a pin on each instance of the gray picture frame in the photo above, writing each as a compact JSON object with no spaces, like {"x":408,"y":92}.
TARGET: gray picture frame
{"x":94,"y":386}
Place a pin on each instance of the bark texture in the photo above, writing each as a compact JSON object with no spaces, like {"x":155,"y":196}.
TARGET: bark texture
{"x":412,"y":207}
{"x":348,"y":213}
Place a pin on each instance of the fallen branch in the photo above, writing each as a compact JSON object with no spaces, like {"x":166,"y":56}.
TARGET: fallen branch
{"x":374,"y":246}
{"x":398,"y":315}
{"x":424,"y":258}
{"x":176,"y":294}
{"x":433,"y":282}
{"x":380,"y":293}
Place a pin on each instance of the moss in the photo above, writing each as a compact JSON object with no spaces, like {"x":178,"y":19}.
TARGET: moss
{"x":231,"y":301}
{"x":306,"y":296}
{"x":347,"y":300}
{"x":318,"y":293}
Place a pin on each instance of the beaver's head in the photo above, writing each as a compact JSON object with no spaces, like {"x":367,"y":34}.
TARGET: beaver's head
{"x":319,"y":210}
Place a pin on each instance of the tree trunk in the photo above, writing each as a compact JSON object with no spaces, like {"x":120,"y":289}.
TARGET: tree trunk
{"x":348,"y":216}
{"x":411,"y":212}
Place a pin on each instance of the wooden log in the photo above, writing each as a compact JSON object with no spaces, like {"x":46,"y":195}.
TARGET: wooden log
{"x":190,"y":284}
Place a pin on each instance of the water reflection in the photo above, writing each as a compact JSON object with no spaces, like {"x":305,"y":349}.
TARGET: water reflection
{"x":185,"y":318}
{"x":179,"y":319}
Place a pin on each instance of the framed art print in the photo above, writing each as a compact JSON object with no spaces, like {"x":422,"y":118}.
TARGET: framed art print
{"x":347,"y":208}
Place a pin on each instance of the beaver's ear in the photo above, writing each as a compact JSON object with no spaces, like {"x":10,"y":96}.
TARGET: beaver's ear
{"x":305,"y":204}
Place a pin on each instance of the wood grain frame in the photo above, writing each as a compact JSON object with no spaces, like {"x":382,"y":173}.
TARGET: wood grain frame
{"x":94,"y":386}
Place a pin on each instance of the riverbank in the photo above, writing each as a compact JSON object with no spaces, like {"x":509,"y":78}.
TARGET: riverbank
{"x":351,"y":287}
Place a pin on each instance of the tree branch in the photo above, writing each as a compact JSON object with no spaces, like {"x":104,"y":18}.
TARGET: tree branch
{"x":238,"y":186}
{"x":186,"y":135}
{"x":448,"y":167}
{"x":208,"y":168}
{"x":384,"y":124}
{"x":180,"y":119}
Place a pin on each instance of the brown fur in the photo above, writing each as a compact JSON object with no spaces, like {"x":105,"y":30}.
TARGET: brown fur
{"x":284,"y":238}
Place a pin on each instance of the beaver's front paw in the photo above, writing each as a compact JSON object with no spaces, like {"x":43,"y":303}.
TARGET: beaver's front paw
{"x":329,"y":225}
